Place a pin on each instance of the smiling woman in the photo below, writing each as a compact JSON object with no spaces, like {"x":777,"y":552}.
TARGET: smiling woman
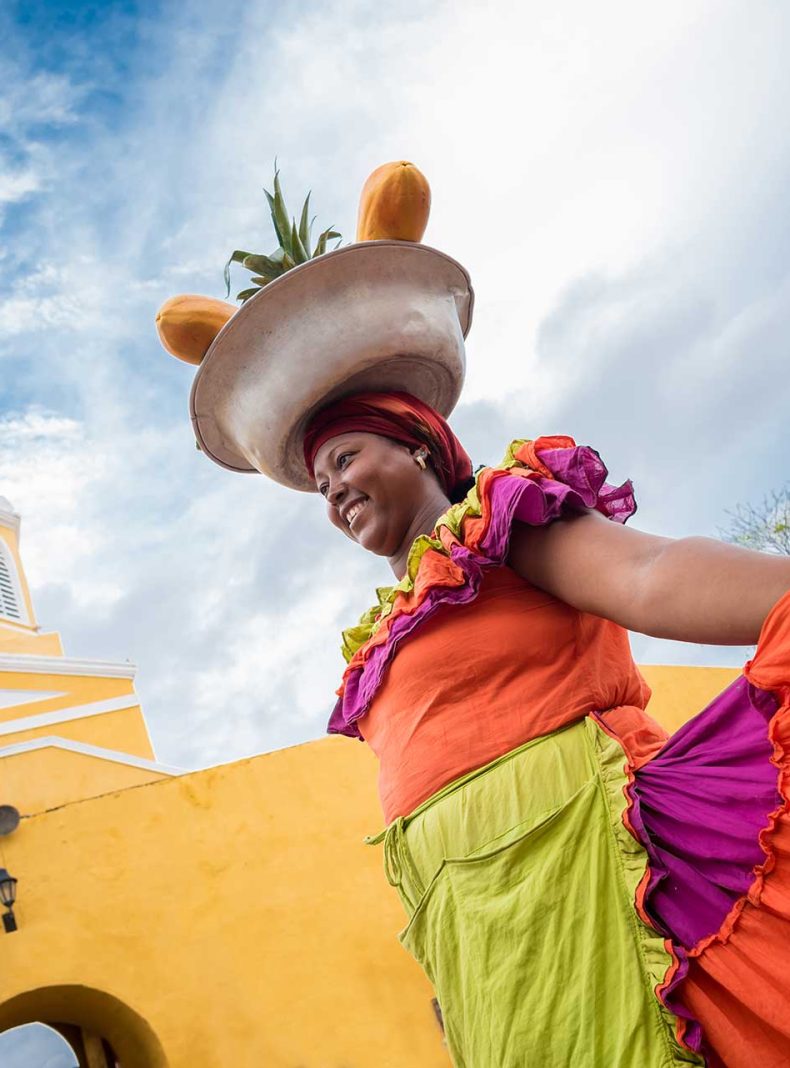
{"x":489,"y":682}
{"x":580,"y":888}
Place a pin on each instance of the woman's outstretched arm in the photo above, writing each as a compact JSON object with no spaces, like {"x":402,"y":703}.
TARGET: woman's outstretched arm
{"x":690,"y":589}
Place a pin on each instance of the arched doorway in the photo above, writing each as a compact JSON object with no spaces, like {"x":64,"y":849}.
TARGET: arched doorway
{"x":102,"y":1031}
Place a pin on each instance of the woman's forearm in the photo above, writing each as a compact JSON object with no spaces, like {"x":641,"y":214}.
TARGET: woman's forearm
{"x":703,"y":590}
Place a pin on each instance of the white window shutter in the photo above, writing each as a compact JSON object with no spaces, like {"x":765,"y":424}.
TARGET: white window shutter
{"x":10,"y":594}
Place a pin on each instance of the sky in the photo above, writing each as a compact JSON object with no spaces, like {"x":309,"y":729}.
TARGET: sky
{"x":35,"y":1046}
{"x":613,"y":176}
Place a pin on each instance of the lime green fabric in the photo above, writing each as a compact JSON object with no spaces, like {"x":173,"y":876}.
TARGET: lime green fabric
{"x":519,"y":881}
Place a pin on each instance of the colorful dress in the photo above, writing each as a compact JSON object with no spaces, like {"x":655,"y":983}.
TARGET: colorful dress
{"x":581,"y":890}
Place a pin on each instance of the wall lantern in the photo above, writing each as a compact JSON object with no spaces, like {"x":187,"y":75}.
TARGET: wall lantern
{"x":8,"y":897}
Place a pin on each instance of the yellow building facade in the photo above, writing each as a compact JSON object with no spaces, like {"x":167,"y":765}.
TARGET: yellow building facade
{"x":224,"y":918}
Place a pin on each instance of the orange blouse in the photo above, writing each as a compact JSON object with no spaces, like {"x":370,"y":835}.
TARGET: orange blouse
{"x":477,"y":680}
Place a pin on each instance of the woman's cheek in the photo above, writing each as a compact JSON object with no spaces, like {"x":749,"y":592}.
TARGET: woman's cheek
{"x":333,"y":516}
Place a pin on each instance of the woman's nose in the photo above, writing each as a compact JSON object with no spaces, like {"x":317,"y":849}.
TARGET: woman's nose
{"x":336,"y":493}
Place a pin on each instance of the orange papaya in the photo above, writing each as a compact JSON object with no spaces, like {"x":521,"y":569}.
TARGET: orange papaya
{"x":187,"y":324}
{"x":395,"y":203}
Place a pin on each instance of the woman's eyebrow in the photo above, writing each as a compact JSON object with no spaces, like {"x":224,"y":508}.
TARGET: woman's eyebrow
{"x":342,"y":444}
{"x":331,"y":455}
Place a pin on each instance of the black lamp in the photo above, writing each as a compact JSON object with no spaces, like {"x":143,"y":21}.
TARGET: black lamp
{"x":8,"y":897}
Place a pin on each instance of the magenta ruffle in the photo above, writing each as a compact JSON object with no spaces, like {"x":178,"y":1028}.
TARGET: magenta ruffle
{"x":698,"y":807}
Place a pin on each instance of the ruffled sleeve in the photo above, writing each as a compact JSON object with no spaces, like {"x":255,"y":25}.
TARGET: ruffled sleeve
{"x":537,"y":482}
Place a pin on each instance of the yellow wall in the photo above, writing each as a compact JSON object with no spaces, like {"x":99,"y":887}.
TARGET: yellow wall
{"x":18,"y":639}
{"x":76,"y":690}
{"x":124,"y":731}
{"x":235,"y":910}
{"x":50,"y":777}
{"x":680,"y":692}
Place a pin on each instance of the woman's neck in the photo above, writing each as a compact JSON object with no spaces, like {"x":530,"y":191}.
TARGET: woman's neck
{"x":423,"y":522}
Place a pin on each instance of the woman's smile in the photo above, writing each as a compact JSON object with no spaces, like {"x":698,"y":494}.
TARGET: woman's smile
{"x":354,"y":511}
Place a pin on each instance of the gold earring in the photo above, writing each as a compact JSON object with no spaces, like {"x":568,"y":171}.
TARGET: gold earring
{"x":419,"y":459}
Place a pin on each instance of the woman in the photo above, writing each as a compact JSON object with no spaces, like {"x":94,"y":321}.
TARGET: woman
{"x":580,"y":890}
{"x":511,"y":937}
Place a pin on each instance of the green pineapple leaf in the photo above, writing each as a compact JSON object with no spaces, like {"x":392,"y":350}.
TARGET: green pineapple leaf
{"x":327,"y":235}
{"x":294,"y":244}
{"x":304,"y":228}
{"x":298,"y":250}
{"x":280,"y":214}
{"x":280,"y":236}
{"x":263,"y":265}
{"x":235,"y":257}
{"x":247,"y":293}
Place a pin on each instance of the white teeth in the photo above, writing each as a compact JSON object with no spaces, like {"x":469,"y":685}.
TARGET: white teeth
{"x":354,"y":512}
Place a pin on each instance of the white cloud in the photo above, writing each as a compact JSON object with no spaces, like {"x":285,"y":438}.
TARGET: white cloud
{"x":16,"y":186}
{"x":29,"y":314}
{"x":31,"y":106}
{"x":40,"y":99}
{"x":612,"y":175}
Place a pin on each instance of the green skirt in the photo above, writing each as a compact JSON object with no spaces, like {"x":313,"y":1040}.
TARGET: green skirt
{"x":519,"y":881}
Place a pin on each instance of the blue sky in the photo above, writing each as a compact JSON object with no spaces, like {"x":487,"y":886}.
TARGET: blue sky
{"x":35,"y":1045}
{"x":614,"y":176}
{"x":614,"y":179}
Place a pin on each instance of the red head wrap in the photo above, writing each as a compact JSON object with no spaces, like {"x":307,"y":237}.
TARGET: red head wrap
{"x":402,"y":418}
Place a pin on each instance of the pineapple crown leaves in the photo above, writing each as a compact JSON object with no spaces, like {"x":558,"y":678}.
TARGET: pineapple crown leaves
{"x":294,"y":244}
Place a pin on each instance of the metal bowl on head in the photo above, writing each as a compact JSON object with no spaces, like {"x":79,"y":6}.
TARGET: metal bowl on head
{"x":378,"y":315}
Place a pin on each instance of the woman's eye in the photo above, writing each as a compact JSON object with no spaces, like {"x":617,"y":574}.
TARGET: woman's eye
{"x":323,"y":489}
{"x":342,"y":459}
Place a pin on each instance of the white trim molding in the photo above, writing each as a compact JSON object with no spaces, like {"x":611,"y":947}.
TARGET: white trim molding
{"x":9,"y":519}
{"x":27,"y":664}
{"x":17,"y":698}
{"x":65,"y":715}
{"x":53,"y":742}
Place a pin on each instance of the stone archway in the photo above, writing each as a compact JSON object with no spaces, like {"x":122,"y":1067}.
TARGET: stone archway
{"x":98,"y":1026}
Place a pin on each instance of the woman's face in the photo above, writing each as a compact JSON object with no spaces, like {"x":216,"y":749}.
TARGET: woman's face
{"x":374,"y":490}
